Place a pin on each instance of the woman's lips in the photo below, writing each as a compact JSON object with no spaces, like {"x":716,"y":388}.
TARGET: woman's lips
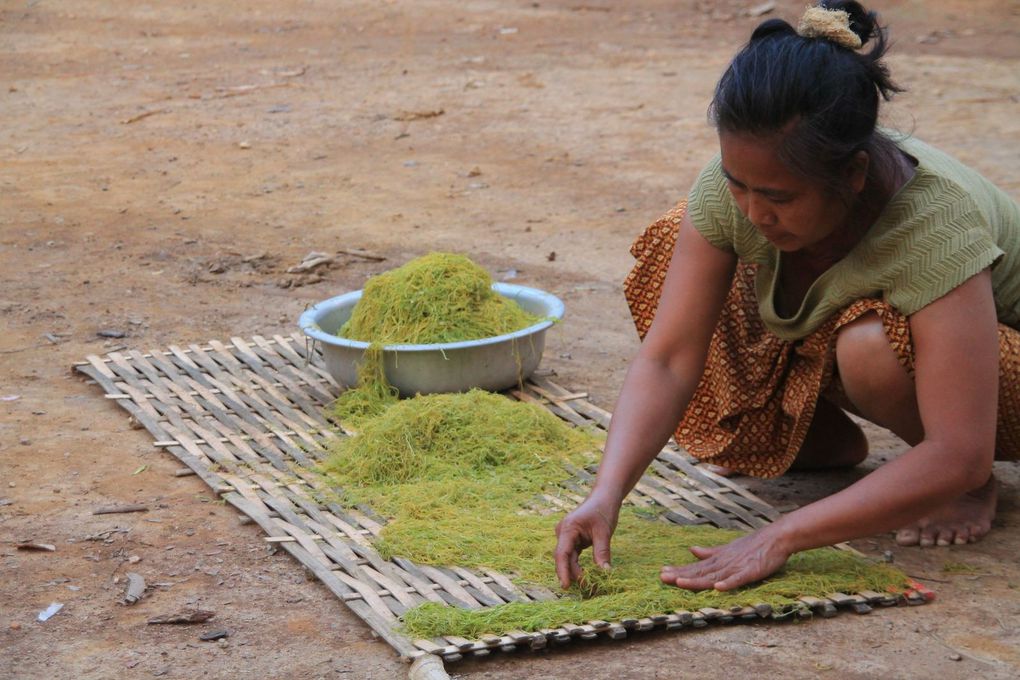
{"x":774,"y":236}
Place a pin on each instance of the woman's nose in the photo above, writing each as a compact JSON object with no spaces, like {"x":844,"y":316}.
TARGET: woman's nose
{"x":759,"y":211}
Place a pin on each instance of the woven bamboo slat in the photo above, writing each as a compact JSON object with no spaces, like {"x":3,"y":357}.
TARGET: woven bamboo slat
{"x":247,"y":418}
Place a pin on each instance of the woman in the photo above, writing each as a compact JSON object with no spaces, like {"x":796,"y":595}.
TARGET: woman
{"x":819,"y":265}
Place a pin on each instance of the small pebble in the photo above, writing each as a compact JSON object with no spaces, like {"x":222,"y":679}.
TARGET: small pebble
{"x":955,"y":657}
{"x":15,"y":626}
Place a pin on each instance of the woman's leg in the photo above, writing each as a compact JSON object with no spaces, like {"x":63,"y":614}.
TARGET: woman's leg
{"x":882,"y":392}
{"x":833,"y":441}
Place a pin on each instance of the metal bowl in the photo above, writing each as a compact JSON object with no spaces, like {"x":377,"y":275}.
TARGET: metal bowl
{"x":495,"y":363}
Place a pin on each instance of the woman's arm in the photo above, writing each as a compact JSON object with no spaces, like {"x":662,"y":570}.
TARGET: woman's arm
{"x":956,"y":352}
{"x":658,"y":385}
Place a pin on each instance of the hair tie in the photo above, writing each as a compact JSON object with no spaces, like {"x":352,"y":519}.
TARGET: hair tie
{"x":831,"y":24}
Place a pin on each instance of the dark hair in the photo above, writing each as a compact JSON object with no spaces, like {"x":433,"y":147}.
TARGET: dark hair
{"x":827,"y":94}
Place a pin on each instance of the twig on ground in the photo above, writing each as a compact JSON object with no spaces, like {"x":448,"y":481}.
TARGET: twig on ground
{"x":144,"y":114}
{"x":116,"y":509}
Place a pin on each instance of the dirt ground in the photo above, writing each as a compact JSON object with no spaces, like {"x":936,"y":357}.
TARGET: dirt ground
{"x":162,"y":165}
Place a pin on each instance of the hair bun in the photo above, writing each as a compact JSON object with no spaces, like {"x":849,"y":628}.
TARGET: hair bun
{"x":863,"y":23}
{"x":829,"y":24}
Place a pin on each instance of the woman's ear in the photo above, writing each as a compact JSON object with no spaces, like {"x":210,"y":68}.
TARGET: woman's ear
{"x":857,"y":171}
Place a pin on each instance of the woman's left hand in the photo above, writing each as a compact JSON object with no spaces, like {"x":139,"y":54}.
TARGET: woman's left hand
{"x":724,"y":567}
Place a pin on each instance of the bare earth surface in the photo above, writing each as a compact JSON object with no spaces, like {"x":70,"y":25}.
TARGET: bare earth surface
{"x":163,"y":164}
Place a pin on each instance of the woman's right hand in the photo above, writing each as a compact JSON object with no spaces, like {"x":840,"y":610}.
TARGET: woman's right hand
{"x":659,"y":384}
{"x":590,"y":524}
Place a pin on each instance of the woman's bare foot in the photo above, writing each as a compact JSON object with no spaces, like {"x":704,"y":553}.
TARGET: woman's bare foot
{"x":965,"y":520}
{"x":719,"y":469}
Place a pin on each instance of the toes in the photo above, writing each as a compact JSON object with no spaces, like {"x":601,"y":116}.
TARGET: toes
{"x":966,"y":534}
{"x":719,"y":470}
{"x":977,"y":532}
{"x":911,"y":536}
{"x":928,"y":537}
{"x":946,"y":536}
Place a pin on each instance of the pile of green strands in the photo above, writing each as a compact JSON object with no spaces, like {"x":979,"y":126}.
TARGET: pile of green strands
{"x":464,"y":480}
{"x":436,"y":298}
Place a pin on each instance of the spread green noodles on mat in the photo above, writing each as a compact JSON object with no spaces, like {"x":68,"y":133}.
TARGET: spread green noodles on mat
{"x":436,"y":298}
{"x":463,"y":479}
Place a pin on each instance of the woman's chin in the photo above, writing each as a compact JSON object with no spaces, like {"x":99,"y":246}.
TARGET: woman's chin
{"x":785,"y":243}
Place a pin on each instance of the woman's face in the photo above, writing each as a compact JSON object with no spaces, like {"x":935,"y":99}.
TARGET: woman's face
{"x":791,"y":211}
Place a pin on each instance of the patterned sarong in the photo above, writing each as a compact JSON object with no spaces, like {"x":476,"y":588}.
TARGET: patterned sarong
{"x":757,"y":396}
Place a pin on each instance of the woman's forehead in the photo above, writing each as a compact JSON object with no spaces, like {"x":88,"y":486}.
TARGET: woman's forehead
{"x":754,"y":157}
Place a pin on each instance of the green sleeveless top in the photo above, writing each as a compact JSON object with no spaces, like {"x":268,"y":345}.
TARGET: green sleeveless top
{"x":946,"y":224}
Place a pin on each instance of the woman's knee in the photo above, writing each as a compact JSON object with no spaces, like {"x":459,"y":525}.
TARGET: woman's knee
{"x":868,"y":366}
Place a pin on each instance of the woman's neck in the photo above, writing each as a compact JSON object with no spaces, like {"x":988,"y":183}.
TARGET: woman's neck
{"x":883,"y":183}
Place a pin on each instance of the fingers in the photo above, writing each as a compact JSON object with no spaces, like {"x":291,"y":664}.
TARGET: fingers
{"x":725,"y":567}
{"x":693,"y":583}
{"x":600,"y":548}
{"x":571,"y":541}
{"x":704,"y":553}
{"x":709,"y":576}
{"x":565,"y":569}
{"x":566,"y":556}
{"x":590,"y":524}
{"x":734,"y":581}
{"x":696,"y":576}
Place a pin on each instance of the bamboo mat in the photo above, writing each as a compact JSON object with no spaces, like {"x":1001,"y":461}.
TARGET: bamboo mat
{"x":247,"y":418}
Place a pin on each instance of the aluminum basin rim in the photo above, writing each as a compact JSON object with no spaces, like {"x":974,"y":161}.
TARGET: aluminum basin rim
{"x":310,"y":327}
